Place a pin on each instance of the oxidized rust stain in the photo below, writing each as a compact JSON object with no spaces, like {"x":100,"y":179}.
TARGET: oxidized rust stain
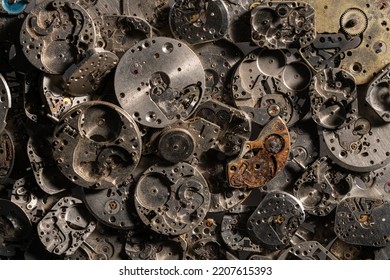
{"x":270,"y":153}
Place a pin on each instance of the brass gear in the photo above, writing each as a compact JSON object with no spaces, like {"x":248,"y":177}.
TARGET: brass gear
{"x":353,"y":21}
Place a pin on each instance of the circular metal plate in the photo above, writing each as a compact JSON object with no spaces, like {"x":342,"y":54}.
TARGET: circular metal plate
{"x":172,"y":200}
{"x":97,"y":145}
{"x":159,"y":81}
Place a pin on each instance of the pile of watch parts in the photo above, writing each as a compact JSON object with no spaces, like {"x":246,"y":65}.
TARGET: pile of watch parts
{"x":194,"y":129}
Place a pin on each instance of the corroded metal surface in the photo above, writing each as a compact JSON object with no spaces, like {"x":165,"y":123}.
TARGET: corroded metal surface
{"x":261,"y":160}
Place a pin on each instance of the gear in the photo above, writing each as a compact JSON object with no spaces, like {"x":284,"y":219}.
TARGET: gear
{"x":354,"y":21}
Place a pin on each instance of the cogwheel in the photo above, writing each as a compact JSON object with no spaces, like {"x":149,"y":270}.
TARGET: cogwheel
{"x":353,"y":21}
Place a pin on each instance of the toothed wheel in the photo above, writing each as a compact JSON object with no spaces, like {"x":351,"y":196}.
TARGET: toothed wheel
{"x":354,"y":22}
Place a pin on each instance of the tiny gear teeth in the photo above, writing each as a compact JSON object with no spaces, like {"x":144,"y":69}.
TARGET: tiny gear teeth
{"x":353,"y":22}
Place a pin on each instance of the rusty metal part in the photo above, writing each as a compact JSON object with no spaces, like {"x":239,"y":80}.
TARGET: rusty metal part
{"x":304,"y":151}
{"x":262,"y":159}
{"x":223,"y":197}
